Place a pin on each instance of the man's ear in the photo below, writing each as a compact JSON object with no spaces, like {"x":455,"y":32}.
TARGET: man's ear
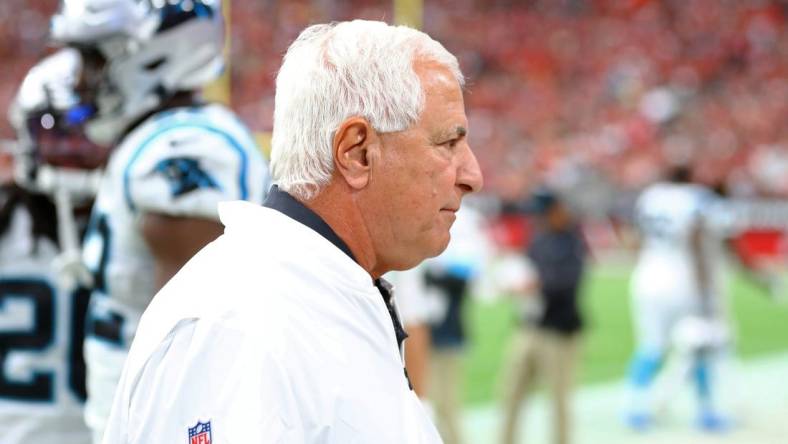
{"x":355,"y":142}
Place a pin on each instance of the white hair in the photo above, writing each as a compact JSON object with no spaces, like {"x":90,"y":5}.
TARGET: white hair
{"x":333,"y":72}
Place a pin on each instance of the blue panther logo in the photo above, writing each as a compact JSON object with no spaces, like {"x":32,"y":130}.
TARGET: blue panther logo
{"x":184,"y":174}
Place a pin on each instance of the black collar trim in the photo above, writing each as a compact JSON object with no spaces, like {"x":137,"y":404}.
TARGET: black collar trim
{"x":288,"y":205}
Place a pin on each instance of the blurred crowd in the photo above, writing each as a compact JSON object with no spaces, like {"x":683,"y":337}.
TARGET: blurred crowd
{"x":564,"y":90}
{"x":597,"y":95}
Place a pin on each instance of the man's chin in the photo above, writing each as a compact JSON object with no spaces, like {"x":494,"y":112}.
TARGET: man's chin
{"x":440,"y":245}
{"x":435,"y":248}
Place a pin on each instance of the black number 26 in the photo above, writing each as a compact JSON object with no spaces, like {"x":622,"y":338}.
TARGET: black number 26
{"x":40,"y":298}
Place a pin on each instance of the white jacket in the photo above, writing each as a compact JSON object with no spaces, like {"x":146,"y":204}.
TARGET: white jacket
{"x":270,"y":334}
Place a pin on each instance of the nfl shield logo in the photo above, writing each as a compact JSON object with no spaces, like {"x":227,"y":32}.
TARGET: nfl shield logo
{"x":201,"y":433}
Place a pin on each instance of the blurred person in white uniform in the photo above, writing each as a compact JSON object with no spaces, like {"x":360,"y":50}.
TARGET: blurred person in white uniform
{"x":49,"y":178}
{"x":176,"y":158}
{"x":676,"y":293}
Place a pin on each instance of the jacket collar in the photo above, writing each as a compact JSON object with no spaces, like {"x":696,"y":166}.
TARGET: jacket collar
{"x":289,"y":206}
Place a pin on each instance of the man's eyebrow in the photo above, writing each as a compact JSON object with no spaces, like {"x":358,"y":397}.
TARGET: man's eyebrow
{"x":455,"y":133}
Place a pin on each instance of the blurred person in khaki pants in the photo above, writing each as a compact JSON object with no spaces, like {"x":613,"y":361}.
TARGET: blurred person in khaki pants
{"x":430,"y":298}
{"x":546,"y":344}
{"x":450,"y":279}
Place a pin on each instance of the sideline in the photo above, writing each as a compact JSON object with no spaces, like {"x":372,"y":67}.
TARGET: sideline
{"x":758,"y":400}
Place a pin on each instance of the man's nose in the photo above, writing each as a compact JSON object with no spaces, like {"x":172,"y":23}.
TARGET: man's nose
{"x":469,"y":177}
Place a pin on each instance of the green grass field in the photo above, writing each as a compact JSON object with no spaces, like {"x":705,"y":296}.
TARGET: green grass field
{"x":761,"y":327}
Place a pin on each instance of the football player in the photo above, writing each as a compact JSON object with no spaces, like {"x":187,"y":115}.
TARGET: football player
{"x":42,"y":308}
{"x":176,"y":157}
{"x":675,"y":283}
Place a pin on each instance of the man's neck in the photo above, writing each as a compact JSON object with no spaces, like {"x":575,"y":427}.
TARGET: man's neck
{"x":339,"y":212}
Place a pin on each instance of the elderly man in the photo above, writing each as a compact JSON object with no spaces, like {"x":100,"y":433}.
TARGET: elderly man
{"x":282,"y":330}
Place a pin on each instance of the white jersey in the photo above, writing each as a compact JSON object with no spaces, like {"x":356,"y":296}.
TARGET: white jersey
{"x":667,"y":215}
{"x":180,"y":162}
{"x":469,"y":249}
{"x":412,"y":301}
{"x":267,"y":336}
{"x":42,"y":372}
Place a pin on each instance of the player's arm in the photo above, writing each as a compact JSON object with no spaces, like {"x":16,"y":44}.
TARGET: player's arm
{"x":175,"y":185}
{"x":634,"y":237}
{"x":174,"y":240}
{"x":701,"y":265}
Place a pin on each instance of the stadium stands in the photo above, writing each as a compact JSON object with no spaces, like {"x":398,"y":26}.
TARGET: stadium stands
{"x":580,"y":93}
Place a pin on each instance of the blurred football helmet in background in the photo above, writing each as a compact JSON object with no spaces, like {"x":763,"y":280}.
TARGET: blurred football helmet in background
{"x":52,"y":154}
{"x":52,"y":151}
{"x":138,"y":53}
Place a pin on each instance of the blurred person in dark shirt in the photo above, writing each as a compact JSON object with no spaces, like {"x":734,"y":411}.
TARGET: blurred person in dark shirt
{"x":547,"y":342}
